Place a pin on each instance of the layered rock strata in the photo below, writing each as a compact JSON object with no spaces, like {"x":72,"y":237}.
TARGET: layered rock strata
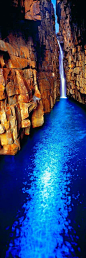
{"x":29,"y":72}
{"x":72,"y":35}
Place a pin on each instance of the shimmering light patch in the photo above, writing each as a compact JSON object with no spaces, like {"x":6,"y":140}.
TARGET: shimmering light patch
{"x":45,"y":207}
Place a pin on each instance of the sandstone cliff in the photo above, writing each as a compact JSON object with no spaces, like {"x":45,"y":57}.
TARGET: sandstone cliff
{"x":29,"y":69}
{"x":72,"y":34}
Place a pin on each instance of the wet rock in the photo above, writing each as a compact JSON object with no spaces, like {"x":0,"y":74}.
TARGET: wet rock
{"x":10,"y":149}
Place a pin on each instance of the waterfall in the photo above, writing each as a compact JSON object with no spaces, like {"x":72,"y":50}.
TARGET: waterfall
{"x":62,"y":77}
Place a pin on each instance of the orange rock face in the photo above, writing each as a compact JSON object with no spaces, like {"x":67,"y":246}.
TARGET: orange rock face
{"x":32,"y":10}
{"x":37,"y":118}
{"x":74,"y":41}
{"x":29,"y":72}
{"x":16,"y":98}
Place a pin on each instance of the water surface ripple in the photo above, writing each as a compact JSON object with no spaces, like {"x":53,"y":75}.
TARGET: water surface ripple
{"x":43,"y":190}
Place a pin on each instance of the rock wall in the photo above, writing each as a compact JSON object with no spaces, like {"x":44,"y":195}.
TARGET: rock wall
{"x":72,"y":35}
{"x":29,"y":69}
{"x":48,"y":58}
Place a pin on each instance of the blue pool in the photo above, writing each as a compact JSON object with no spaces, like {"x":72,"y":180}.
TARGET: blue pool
{"x":43,"y":189}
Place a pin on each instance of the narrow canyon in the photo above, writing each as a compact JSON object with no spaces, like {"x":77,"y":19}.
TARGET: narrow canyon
{"x":42,"y":129}
{"x":29,"y":63}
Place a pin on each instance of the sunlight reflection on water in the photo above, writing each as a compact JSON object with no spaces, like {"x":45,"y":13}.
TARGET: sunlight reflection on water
{"x":49,"y":224}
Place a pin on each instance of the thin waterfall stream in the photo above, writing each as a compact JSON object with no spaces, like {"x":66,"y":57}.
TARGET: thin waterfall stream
{"x":62,"y":76}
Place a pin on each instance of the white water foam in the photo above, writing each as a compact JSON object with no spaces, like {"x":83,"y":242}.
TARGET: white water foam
{"x":62,"y":77}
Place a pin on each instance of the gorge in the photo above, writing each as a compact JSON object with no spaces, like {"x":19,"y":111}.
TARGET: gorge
{"x":29,"y":64}
{"x":43,"y":122}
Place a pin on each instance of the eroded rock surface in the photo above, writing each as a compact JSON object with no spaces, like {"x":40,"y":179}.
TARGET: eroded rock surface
{"x":29,"y":70}
{"x":72,"y":34}
{"x":32,"y":10}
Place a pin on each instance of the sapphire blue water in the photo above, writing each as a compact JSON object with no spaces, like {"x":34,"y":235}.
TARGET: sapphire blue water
{"x":43,"y":190}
